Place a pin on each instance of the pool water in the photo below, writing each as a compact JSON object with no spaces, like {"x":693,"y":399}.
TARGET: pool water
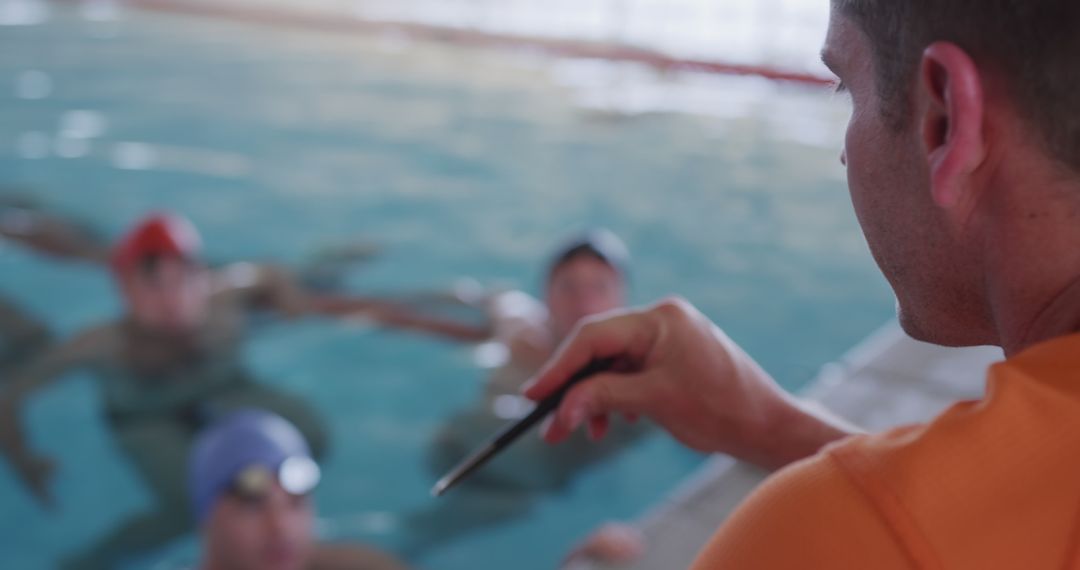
{"x":459,"y":163}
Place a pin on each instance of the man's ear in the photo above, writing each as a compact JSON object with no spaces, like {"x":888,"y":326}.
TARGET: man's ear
{"x":953,"y":121}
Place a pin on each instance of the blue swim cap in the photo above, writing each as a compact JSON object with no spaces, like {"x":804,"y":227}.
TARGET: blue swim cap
{"x":242,"y":440}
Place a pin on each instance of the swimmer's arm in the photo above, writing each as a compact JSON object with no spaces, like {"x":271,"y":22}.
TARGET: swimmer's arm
{"x":397,"y":315}
{"x":277,"y":290}
{"x":46,"y":369}
{"x":50,"y":235}
{"x":261,"y":286}
{"x":401,"y":318}
{"x":272,"y":288}
{"x":50,"y":365}
{"x":27,"y":333}
{"x":40,"y":372}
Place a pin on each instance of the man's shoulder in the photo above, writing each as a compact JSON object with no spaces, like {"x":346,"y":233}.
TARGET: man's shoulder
{"x":809,"y":514}
{"x":994,"y":472}
{"x":1054,"y":363}
{"x":819,"y":480}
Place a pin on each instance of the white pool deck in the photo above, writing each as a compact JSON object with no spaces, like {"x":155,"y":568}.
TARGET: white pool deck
{"x":887,"y":380}
{"x":783,"y":33}
{"x":727,"y":36}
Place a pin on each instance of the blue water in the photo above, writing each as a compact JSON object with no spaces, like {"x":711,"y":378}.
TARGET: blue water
{"x":458,"y":162}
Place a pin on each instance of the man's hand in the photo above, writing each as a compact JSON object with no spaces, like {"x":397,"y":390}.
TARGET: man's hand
{"x":678,"y":368}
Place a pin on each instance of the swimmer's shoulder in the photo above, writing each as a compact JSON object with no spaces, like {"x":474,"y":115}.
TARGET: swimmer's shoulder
{"x":521,"y":323}
{"x":516,"y":314}
{"x":247,"y":282}
{"x":238,"y":277}
{"x":517,"y":306}
{"x":352,"y":557}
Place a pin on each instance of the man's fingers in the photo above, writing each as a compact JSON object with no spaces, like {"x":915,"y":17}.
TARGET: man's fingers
{"x":614,"y":336}
{"x":599,"y":396}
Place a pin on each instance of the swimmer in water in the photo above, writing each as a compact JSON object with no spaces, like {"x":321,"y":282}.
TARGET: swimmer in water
{"x":26,"y":223}
{"x":171,"y":363}
{"x":250,"y":477}
{"x":585,"y":277}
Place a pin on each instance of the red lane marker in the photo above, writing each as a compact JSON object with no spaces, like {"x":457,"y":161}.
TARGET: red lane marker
{"x":566,"y":48}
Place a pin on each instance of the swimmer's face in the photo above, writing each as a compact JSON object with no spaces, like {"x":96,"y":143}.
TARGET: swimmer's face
{"x":167,"y":293}
{"x":271,"y":531}
{"x":582,"y":287}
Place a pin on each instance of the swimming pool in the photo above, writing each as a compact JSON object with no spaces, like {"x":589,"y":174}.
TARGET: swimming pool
{"x":460,"y":163}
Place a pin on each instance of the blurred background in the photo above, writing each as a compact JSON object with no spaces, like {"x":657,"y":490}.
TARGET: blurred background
{"x":464,"y":138}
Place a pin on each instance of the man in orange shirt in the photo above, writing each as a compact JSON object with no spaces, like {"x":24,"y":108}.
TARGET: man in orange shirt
{"x":963,"y":158}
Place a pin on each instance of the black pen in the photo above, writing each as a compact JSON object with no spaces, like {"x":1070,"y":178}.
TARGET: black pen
{"x":513,"y":431}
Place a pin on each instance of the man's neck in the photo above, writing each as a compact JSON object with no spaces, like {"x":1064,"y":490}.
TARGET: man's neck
{"x":1059,"y":316}
{"x":1031,"y":250}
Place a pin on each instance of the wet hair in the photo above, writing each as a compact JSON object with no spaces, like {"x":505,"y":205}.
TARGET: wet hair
{"x":1032,"y":44}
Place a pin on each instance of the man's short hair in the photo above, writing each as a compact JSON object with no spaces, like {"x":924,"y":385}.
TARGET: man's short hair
{"x":1033,"y":45}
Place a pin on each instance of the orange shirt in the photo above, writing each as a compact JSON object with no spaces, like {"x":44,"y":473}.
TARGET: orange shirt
{"x":989,"y":484}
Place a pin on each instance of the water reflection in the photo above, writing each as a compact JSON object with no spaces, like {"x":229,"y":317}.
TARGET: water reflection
{"x":32,"y":145}
{"x":134,"y":156}
{"x":33,"y":84}
{"x":101,"y":10}
{"x":82,"y":124}
{"x":71,"y":147}
{"x":22,"y":12}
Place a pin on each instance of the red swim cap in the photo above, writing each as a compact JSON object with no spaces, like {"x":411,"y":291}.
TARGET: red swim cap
{"x":160,"y":234}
